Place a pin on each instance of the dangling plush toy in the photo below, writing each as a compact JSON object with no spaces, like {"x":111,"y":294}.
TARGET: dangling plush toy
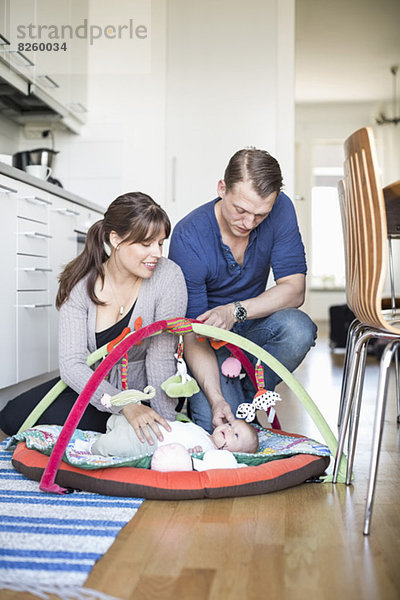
{"x":231,"y":368}
{"x":180,"y":385}
{"x":263,"y":399}
{"x":128,"y":396}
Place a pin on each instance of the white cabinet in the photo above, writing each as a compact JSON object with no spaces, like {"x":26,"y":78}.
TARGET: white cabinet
{"x":47,"y":56}
{"x":62,"y":73}
{"x":69,"y":223}
{"x":63,"y":217}
{"x":8,"y":313}
{"x":42,"y":232}
{"x":33,"y":281}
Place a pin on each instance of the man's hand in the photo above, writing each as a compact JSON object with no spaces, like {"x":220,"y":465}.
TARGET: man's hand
{"x":221,"y":413}
{"x":220,"y":316}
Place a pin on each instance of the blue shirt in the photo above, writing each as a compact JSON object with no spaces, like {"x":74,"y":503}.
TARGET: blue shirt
{"x":213,"y":276}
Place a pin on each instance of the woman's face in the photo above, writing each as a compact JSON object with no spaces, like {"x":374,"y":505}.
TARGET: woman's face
{"x":139,"y":259}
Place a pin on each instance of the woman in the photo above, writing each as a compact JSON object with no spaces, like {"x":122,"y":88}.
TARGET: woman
{"x":118,"y":279}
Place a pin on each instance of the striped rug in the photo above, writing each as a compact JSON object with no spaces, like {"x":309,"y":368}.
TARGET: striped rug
{"x":48,"y":542}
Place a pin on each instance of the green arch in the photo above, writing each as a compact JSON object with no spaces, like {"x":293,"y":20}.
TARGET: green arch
{"x":243,"y":343}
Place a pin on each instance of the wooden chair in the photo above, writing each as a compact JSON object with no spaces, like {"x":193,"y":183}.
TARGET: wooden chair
{"x":366,"y":251}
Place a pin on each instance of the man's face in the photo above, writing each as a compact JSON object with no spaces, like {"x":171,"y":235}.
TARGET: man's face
{"x":242,"y":209}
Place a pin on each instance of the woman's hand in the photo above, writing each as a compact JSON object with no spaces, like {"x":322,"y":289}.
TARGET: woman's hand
{"x":141,"y":417}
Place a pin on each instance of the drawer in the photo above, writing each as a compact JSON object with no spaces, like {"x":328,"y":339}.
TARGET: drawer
{"x":36,"y":301}
{"x":33,"y":207}
{"x":32,"y":334}
{"x":8,"y":186}
{"x":69,"y":211}
{"x":87,"y":218}
{"x":25,"y":261}
{"x":32,"y":238}
{"x":33,"y":278}
{"x":33,"y":273}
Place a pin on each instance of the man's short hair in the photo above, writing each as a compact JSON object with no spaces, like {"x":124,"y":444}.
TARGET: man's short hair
{"x":257,"y":167}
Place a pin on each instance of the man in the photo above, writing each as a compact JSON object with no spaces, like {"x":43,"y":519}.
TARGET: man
{"x":226,"y":249}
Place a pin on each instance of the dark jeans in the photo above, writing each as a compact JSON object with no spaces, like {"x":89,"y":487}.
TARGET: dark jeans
{"x":286,"y":334}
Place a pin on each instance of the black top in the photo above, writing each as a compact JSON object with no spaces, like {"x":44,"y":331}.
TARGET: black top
{"x":109,"y":334}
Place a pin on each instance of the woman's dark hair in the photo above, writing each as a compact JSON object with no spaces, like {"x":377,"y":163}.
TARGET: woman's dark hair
{"x":257,"y":167}
{"x":135,"y":217}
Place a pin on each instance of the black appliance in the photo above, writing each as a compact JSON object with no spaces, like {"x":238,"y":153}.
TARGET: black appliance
{"x":38,"y":156}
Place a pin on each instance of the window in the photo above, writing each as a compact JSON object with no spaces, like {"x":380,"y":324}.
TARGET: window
{"x":327,"y":263}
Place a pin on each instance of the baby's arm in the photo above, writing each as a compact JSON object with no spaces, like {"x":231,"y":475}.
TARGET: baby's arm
{"x":195,"y":449}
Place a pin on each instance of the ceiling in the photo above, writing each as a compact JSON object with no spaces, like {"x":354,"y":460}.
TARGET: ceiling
{"x":345,"y":48}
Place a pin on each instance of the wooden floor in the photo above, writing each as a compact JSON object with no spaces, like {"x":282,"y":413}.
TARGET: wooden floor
{"x":301,"y":543}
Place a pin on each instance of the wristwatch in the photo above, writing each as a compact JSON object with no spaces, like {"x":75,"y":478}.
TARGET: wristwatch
{"x":240,"y":313}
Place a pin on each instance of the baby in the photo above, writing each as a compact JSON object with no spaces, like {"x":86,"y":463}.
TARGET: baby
{"x":120,"y":438}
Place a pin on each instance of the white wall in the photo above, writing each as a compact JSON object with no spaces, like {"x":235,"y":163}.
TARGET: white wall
{"x":217,"y":76}
{"x":9,"y":136}
{"x":121,"y":148}
{"x":226,"y":90}
{"x":221,"y":78}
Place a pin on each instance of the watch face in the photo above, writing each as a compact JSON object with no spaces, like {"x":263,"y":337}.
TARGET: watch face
{"x":240,"y":313}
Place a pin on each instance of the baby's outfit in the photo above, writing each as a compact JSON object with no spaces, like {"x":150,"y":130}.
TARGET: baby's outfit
{"x":120,"y":438}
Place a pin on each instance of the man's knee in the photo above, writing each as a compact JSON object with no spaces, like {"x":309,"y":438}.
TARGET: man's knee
{"x":303,"y":331}
{"x":290,"y":326}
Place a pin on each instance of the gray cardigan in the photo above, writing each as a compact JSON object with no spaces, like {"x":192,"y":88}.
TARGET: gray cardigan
{"x":163,"y":296}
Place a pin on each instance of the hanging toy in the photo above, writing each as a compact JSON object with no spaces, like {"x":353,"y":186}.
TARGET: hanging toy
{"x":180,"y":385}
{"x":231,"y":368}
{"x":263,"y":399}
{"x":128,"y":396}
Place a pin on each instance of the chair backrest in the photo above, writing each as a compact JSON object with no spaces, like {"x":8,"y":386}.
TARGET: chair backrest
{"x":364,"y":230}
{"x":348,"y":255}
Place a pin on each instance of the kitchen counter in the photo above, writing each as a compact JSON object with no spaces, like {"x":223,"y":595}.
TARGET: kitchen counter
{"x":46,"y":186}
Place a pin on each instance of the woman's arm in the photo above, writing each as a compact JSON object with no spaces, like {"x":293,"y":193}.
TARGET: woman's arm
{"x":169,"y":299}
{"x":73,"y":347}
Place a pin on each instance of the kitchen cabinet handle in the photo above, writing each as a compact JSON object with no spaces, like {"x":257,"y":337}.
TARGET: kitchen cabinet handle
{"x":36,"y":200}
{"x":68,"y":212}
{"x":36,"y":234}
{"x":46,"y":80}
{"x":77,"y":107}
{"x":35,"y":305}
{"x":7,"y":190}
{"x":27,"y":60}
{"x":36,"y":269}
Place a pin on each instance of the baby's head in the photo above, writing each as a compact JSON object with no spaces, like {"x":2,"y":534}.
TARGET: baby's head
{"x":237,"y":436}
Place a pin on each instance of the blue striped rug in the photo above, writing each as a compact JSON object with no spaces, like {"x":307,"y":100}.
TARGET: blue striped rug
{"x":48,"y":542}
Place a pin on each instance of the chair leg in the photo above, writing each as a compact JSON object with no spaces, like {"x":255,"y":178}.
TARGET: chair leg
{"x":396,"y":371}
{"x":350,"y":341}
{"x":355,"y":416}
{"x":384,"y":372}
{"x":349,"y":398}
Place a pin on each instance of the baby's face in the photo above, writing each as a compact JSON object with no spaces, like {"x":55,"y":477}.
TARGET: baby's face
{"x":235,"y":437}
